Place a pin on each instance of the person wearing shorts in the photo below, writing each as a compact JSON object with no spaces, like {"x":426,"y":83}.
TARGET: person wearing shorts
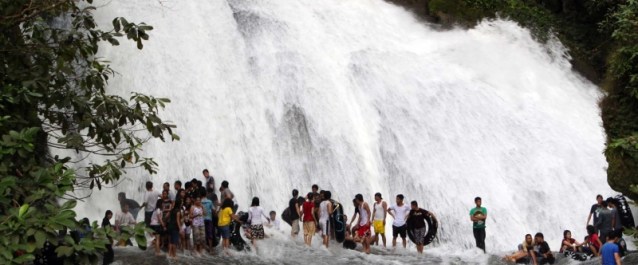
{"x":295,"y":213}
{"x":256,"y":218}
{"x":197,"y":217}
{"x":416,"y":222}
{"x":399,"y":212}
{"x":308,"y":217}
{"x":223,"y":222}
{"x":363,"y":233}
{"x":156,"y":224}
{"x":379,"y":213}
{"x":325,"y":210}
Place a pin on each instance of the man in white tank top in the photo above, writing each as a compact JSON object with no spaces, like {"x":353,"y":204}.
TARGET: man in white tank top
{"x":363,"y":233}
{"x":325,"y":210}
{"x":379,"y":213}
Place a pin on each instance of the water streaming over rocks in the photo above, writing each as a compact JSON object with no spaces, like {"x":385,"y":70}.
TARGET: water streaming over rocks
{"x":358,"y":96}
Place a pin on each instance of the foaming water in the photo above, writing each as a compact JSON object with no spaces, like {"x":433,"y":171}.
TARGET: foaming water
{"x":360,"y":97}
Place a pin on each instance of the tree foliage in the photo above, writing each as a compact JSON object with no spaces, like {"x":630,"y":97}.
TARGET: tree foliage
{"x":620,"y":107}
{"x":54,"y":98}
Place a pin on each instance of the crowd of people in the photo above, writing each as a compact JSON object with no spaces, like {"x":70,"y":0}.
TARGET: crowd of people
{"x":190,"y":219}
{"x":604,"y":238}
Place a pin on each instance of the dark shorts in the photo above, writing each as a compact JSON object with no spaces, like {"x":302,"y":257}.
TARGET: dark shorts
{"x":399,"y":230}
{"x":224,"y":231}
{"x":174,"y":237}
{"x":156,"y":229}
{"x":147,"y":218}
{"x":208,"y":224}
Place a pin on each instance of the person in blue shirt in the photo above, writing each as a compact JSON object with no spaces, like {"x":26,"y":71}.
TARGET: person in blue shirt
{"x":209,"y":208}
{"x":610,"y":251}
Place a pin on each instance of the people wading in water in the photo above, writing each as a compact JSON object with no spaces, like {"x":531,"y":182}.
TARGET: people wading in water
{"x":363,"y":232}
{"x":399,"y":212}
{"x":379,"y":214}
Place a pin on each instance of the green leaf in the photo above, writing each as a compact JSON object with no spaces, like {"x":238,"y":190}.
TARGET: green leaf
{"x":113,"y":41}
{"x":116,"y":25}
{"x":40,"y":238}
{"x":64,"y":251}
{"x":23,"y":210}
{"x":70,"y":204}
{"x":24,"y":258}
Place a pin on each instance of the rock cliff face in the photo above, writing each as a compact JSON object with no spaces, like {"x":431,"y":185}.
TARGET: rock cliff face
{"x":597,"y":53}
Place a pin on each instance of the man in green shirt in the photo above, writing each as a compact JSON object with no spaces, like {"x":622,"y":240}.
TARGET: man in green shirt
{"x":478,"y":215}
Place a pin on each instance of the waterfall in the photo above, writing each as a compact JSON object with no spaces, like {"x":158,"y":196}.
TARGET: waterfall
{"x":359,"y":96}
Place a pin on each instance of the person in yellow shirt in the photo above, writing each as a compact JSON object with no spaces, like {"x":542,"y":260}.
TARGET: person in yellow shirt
{"x":226,"y":216}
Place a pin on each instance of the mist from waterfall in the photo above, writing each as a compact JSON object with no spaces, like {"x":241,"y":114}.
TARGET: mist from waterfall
{"x":358,"y":96}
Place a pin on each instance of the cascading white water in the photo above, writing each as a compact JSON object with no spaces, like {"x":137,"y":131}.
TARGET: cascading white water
{"x":358,"y":96}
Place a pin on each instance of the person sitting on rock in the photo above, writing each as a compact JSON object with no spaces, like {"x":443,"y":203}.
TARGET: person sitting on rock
{"x":569,"y":244}
{"x":523,"y":252}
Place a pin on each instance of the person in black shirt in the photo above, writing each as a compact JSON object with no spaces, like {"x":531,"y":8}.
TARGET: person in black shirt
{"x":542,"y":254}
{"x":595,"y":210}
{"x":416,"y":223}
{"x":293,"y":205}
{"x":133,"y":206}
{"x":109,"y":255}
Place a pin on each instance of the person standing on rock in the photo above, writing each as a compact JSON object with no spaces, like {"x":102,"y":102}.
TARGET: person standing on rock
{"x":363,"y":232}
{"x":210,"y":184}
{"x":379,"y":214}
{"x":399,"y":212}
{"x":295,"y":213}
{"x":478,"y":215}
{"x":150,"y":202}
{"x":595,"y":210}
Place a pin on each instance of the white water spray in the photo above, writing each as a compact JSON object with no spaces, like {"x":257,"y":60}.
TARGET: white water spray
{"x":358,"y":96}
